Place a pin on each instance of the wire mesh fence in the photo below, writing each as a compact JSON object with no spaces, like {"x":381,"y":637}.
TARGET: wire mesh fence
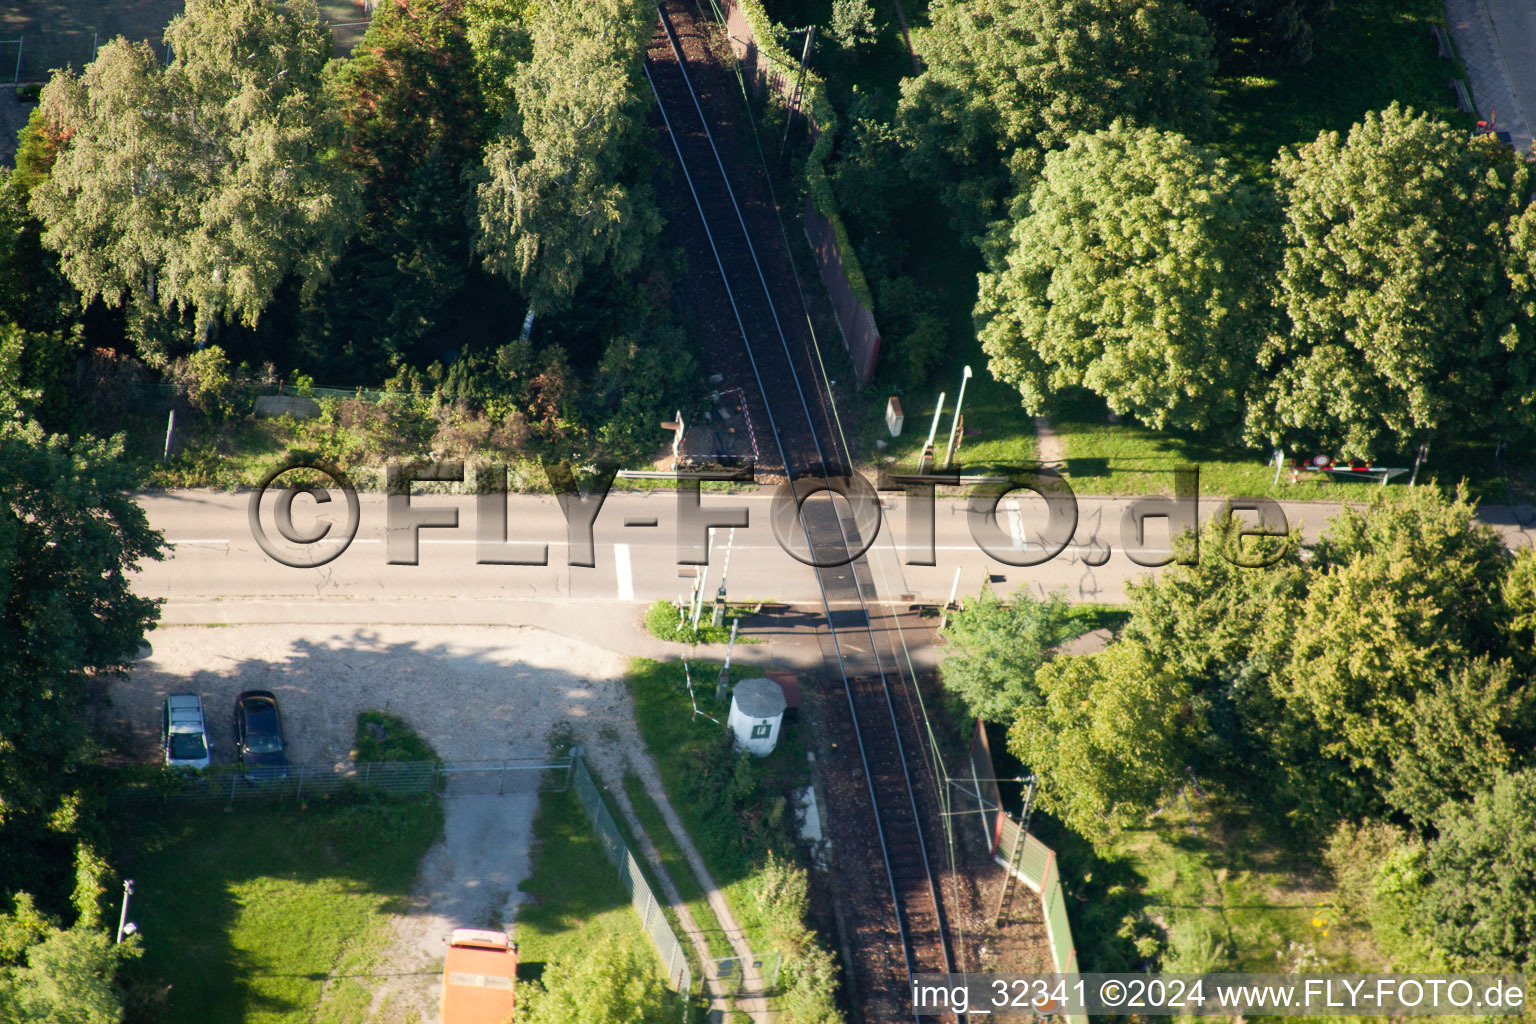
{"x":644,"y":901}
{"x":395,"y":778}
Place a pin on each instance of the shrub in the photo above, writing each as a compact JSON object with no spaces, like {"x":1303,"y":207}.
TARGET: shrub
{"x":204,"y":379}
{"x":382,"y":736}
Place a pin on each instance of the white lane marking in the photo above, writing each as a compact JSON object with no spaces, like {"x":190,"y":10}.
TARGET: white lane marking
{"x":626,"y":575}
{"x":199,"y":540}
{"x":1016,"y":523}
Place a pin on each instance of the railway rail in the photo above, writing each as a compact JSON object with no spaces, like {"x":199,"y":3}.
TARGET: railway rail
{"x":805,"y":439}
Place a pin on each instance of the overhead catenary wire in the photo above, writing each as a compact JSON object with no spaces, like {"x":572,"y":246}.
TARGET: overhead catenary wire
{"x":939,"y":918}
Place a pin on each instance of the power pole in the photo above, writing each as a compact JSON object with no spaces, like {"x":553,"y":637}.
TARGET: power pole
{"x":123,"y":927}
{"x":789,"y":117}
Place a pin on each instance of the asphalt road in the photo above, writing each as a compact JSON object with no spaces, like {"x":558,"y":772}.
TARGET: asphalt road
{"x":216,"y":572}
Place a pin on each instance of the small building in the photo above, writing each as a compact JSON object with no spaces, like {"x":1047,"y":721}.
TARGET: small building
{"x":757,"y":715}
{"x":789,"y":682}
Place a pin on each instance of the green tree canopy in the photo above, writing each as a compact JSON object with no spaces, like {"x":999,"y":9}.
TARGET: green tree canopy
{"x":1482,"y":894}
{"x":1007,"y":80}
{"x":609,"y":983}
{"x":201,"y":185}
{"x":563,"y":189}
{"x":1383,"y":655}
{"x":1135,"y":270}
{"x":1462,"y":731}
{"x":1111,"y":740}
{"x":67,"y":977}
{"x":410,"y":101}
{"x":69,"y":537}
{"x":1398,"y":315}
{"x":498,"y":37}
{"x":996,"y":647}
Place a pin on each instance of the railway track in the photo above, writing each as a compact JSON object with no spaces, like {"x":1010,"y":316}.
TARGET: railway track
{"x":748,"y":251}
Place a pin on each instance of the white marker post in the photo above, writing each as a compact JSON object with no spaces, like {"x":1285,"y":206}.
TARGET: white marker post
{"x":954,"y":427}
{"x":724,"y":682}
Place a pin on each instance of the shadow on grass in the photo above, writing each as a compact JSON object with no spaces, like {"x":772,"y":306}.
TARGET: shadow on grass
{"x":1366,"y":56}
{"x":246,"y":913}
{"x":257,"y":912}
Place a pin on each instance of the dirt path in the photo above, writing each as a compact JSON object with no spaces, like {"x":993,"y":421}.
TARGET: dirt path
{"x":1049,"y":451}
{"x":755,"y":1007}
{"x":612,"y":759}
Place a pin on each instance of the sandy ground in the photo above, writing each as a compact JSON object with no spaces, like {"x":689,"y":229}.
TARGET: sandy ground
{"x":471,"y":691}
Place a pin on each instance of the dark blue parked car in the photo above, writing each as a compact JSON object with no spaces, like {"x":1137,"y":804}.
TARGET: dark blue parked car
{"x":259,"y":736}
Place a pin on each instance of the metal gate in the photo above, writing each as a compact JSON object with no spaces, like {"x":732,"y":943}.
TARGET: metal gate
{"x":509,"y":775}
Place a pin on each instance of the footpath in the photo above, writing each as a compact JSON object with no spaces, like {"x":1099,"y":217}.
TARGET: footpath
{"x":1496,"y":40}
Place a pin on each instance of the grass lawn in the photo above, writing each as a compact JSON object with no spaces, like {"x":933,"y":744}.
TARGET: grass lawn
{"x":1365,"y":56}
{"x":999,"y":433}
{"x":676,"y":865}
{"x":1126,"y":458}
{"x":248,"y":930}
{"x":677,"y":740}
{"x":574,"y":897}
{"x":1231,"y":897}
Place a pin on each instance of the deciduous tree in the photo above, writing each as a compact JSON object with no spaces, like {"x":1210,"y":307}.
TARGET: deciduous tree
{"x":1007,"y":80}
{"x":1111,"y":739}
{"x":607,"y":983}
{"x":205,"y":183}
{"x":69,"y":537}
{"x":68,"y":976}
{"x":1400,"y":623}
{"x":563,"y":189}
{"x":1482,"y":894}
{"x":410,"y":102}
{"x":1399,"y":320}
{"x":995,"y":649}
{"x":1136,"y":270}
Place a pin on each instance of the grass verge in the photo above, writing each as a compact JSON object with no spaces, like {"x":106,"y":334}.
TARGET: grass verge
{"x":663,"y":622}
{"x":736,"y":810}
{"x":675,"y":863}
{"x":1365,"y":56}
{"x":574,"y":899}
{"x":245,"y":930}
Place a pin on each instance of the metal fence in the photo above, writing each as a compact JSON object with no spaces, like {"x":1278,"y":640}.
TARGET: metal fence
{"x":302,"y":781}
{"x":651,"y":917}
{"x":854,"y":319}
{"x":1032,"y":863}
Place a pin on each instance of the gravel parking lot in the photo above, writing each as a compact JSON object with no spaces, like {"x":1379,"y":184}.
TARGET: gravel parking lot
{"x":471,"y":691}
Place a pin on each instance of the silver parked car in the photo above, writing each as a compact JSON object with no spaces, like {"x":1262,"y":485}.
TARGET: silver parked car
{"x":184,"y":732}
